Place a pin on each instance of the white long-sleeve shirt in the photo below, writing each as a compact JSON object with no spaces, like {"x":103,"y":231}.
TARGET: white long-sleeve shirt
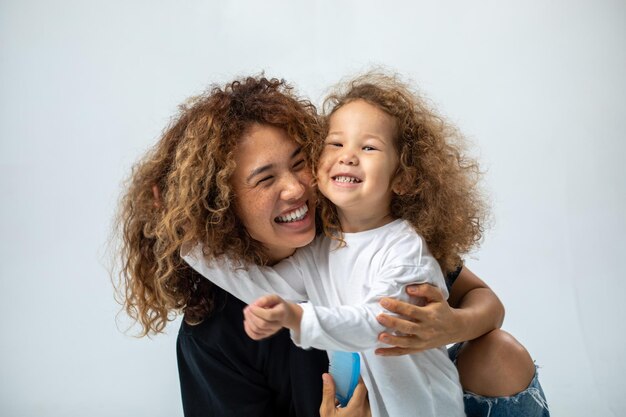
{"x":344,"y":286}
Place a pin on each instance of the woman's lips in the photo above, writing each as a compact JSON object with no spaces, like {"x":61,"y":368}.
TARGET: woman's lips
{"x":295,"y":215}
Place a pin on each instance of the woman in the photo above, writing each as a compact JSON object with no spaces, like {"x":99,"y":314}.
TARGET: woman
{"x":226,"y":173}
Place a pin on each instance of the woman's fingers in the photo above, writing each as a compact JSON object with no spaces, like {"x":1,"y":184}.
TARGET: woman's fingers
{"x":327,"y":408}
{"x":358,"y":406}
{"x":418,"y":328}
{"x":402,"y":308}
{"x":409,"y":341}
{"x":428,"y":291}
{"x":395,"y":351}
{"x":398,"y":324}
{"x":359,"y":397}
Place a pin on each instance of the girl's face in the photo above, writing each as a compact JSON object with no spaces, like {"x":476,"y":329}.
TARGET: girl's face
{"x":359,"y":160}
{"x":272,"y":190}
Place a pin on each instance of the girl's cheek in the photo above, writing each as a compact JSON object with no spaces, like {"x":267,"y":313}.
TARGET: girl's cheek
{"x":324,"y":162}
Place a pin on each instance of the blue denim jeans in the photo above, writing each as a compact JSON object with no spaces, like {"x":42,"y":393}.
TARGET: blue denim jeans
{"x":530,"y":402}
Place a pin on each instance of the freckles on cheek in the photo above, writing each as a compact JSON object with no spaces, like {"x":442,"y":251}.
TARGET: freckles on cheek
{"x":246,"y":207}
{"x":261,"y":205}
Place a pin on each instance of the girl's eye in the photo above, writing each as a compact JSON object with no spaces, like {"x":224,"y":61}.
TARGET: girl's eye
{"x":369,"y":148}
{"x":334,"y":144}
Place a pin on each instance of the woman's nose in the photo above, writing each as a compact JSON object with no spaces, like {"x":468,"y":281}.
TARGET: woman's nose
{"x":293,"y":188}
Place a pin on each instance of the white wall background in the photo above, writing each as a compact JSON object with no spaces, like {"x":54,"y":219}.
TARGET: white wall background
{"x":86,"y":87}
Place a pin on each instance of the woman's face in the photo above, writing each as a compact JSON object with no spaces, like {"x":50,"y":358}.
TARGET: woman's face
{"x":274,"y":198}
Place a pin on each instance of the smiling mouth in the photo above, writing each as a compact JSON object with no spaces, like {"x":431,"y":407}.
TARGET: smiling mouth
{"x":293,"y":216}
{"x":346,"y":180}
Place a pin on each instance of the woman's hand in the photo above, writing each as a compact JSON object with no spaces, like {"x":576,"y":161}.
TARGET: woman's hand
{"x":358,"y":406}
{"x":433,"y":325}
{"x":269,"y":314}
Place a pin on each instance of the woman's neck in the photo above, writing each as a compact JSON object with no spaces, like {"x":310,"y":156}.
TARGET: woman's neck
{"x":276,"y":255}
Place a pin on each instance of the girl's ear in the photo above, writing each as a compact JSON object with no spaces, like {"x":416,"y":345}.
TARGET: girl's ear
{"x":398,"y":185}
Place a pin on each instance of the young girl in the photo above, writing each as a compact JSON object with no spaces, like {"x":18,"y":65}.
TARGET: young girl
{"x":388,"y":169}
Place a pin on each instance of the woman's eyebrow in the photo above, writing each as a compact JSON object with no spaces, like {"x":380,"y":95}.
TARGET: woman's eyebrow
{"x":267,"y":167}
{"x":296,"y":152}
{"x":259,"y":170}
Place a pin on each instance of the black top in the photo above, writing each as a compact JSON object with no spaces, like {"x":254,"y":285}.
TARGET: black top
{"x":452,"y":276}
{"x":225,"y":373}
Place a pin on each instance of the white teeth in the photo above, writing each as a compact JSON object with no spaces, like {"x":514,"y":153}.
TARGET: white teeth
{"x":293,"y":216}
{"x":347,"y":179}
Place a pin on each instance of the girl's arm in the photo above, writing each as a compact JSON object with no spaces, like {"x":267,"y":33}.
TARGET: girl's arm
{"x":249,"y":282}
{"x":354,"y":327}
{"x":347,"y":327}
{"x":472,"y":310}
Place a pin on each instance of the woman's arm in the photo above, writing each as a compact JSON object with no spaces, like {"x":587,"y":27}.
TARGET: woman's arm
{"x":248,"y":282}
{"x":473,"y":310}
{"x":481,"y":307}
{"x":352,"y":328}
{"x":355,"y":328}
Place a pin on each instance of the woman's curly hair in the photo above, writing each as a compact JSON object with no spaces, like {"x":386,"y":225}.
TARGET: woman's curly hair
{"x":180,"y":193}
{"x":439,"y":184}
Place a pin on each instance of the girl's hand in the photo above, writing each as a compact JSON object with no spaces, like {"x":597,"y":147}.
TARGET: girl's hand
{"x":433,"y":325}
{"x":269,"y":314}
{"x":358,"y":406}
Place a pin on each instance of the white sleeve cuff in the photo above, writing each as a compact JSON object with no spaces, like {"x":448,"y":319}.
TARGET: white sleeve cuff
{"x":303,"y":339}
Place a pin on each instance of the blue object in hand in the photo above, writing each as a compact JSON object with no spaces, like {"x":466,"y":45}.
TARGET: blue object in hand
{"x":345,"y":368}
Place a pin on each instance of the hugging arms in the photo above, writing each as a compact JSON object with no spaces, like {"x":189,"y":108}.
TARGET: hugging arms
{"x":204,"y":198}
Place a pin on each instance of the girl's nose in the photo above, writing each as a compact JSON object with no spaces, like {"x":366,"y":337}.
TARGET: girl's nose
{"x":348,"y":157}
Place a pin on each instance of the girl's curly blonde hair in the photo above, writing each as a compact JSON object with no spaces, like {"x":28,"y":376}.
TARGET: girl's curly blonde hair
{"x":180,"y":193}
{"x":439,"y":184}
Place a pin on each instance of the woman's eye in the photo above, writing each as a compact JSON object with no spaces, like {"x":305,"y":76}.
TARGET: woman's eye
{"x":265,"y":180}
{"x":300,"y":164}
